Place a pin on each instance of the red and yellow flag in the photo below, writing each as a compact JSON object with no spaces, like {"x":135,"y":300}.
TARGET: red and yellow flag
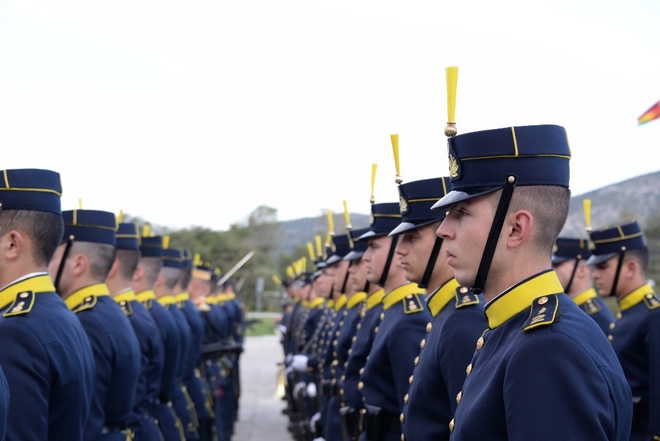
{"x":650,"y":115}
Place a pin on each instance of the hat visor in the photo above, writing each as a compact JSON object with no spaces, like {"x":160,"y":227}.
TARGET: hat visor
{"x":597,"y":259}
{"x":354,"y":255}
{"x":332,"y":260}
{"x":556,"y":260}
{"x":455,"y":196}
{"x":407,"y":226}
{"x":371,"y":233}
{"x":321,"y":265}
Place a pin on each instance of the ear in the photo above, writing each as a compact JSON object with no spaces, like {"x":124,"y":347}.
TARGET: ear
{"x":80,"y":264}
{"x":138,"y":274}
{"x":629,"y":269}
{"x":114,"y":269}
{"x":13,"y":244}
{"x":519,"y":228}
{"x":160,"y":281}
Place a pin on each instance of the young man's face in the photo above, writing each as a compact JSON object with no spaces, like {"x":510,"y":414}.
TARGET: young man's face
{"x":564,"y":271}
{"x":465,"y":230}
{"x":375,"y":257}
{"x":415,"y":248}
{"x":340,"y":271}
{"x":357,"y":275}
{"x":603,"y":275}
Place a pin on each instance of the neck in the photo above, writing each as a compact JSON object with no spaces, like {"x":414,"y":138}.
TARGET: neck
{"x":579,"y":286}
{"x":80,"y":283}
{"x":394,"y":280}
{"x":515,"y":272}
{"x":629,"y":288}
{"x":12,"y":272}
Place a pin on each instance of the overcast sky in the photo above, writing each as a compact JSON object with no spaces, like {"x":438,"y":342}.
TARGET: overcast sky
{"x":195,"y":113}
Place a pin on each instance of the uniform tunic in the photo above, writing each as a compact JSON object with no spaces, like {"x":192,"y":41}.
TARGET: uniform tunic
{"x":542,"y":370}
{"x":116,"y":358}
{"x":48,"y":362}
{"x":636,"y":342}
{"x":458,"y":322}
{"x":590,"y":302}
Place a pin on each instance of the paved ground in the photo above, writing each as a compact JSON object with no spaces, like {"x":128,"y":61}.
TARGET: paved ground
{"x":260,"y":412}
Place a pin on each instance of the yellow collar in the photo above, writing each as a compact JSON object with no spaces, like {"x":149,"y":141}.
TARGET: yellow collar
{"x":221,"y":298}
{"x":149,"y":294}
{"x":166,"y":300}
{"x":585,"y":295}
{"x":230,"y":296}
{"x":316,"y":302}
{"x":212,"y":300}
{"x":635,"y":297}
{"x":341,"y":301}
{"x":305,"y":303}
{"x":355,"y":299}
{"x":440,"y":298}
{"x":182,"y":297}
{"x":375,"y":299}
{"x":127,"y":296}
{"x":330,"y":303}
{"x":40,"y":283}
{"x":520,"y":296}
{"x":400,"y":293}
{"x":98,"y":290}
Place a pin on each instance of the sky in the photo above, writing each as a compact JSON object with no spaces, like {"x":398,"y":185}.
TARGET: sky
{"x":196,"y":113}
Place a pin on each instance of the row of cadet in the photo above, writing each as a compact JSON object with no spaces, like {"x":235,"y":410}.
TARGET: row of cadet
{"x":108,"y":334}
{"x":460,"y":314}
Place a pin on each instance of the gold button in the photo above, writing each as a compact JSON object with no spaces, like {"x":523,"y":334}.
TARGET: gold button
{"x":468,"y":370}
{"x":619,"y":315}
{"x":463,"y":290}
{"x":429,"y":326}
{"x":459,"y":396}
{"x":410,"y":380}
{"x":359,"y":325}
{"x":341,"y":323}
{"x":406,"y":397}
{"x":612,"y":325}
{"x":403,"y":437}
{"x":416,"y":360}
{"x":649,"y":296}
{"x":422,"y":343}
{"x":23,"y":295}
{"x":401,"y":418}
{"x":353,"y":339}
{"x":360,"y":385}
{"x":376,"y":330}
{"x":543,"y":300}
{"x":382,"y":315}
{"x":610,"y":337}
{"x":451,"y":426}
{"x":349,"y":351}
{"x":409,"y":296}
{"x":337,"y":334}
{"x":480,"y":343}
{"x":361,"y":371}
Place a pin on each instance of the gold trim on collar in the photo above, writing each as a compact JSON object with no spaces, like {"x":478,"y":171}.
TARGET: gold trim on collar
{"x":36,"y":284}
{"x":635,"y":297}
{"x":355,"y":299}
{"x":341,"y":301}
{"x":182,"y":297}
{"x":520,"y":297}
{"x":97,"y":290}
{"x":148,"y":294}
{"x":166,"y":300}
{"x":442,"y":296}
{"x":585,"y":295}
{"x":316,"y":302}
{"x":375,"y":299}
{"x":330,"y":303}
{"x":400,"y":293}
{"x":127,"y":296}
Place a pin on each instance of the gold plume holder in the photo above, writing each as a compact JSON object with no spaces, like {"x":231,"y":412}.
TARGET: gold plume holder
{"x":452,"y":82}
{"x":395,"y":150}
{"x":374,"y":167}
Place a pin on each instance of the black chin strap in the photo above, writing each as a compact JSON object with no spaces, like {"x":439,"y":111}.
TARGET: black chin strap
{"x":494,"y":234}
{"x":390,"y":256}
{"x":343,"y":286}
{"x":60,"y":267}
{"x":431,"y":264}
{"x":570,"y":281}
{"x":619,"y":264}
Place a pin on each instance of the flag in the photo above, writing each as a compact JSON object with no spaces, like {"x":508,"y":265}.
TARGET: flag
{"x":650,"y":115}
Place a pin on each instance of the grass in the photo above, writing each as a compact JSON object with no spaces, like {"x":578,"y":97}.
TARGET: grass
{"x":260,"y":326}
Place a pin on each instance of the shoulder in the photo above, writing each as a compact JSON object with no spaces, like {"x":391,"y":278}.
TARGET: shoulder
{"x":465,"y":297}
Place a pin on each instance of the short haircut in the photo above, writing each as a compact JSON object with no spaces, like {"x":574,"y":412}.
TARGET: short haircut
{"x":171,"y":276}
{"x":641,"y":256}
{"x":186,"y":275}
{"x":128,"y":260}
{"x":549,"y":206}
{"x":43,"y":228}
{"x":101,"y":256}
{"x":151,"y":267}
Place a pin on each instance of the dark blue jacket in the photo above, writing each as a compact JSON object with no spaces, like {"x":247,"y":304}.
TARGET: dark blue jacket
{"x":590,"y":302}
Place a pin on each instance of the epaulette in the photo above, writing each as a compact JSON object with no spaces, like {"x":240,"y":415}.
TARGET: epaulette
{"x":652,"y":301}
{"x":22,"y":304}
{"x":181,"y":304}
{"x":412,"y":304}
{"x":465,"y":297}
{"x":542,"y":312}
{"x":148,"y":304}
{"x":126,"y":307}
{"x":591,"y":307}
{"x":88,"y":303}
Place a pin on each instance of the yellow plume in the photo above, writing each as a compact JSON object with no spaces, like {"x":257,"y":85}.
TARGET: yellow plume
{"x":374,"y":166}
{"x":587,"y":214}
{"x":276,"y":279}
{"x":145,"y":230}
{"x":452,"y":81}
{"x":319,"y":246}
{"x":80,"y":204}
{"x":331,"y":224}
{"x":310,"y":250}
{"x":120,"y":217}
{"x":289,"y":272}
{"x":303,"y":264}
{"x":347,"y":216}
{"x":395,"y":150}
{"x":166,"y":242}
{"x":197,"y":261}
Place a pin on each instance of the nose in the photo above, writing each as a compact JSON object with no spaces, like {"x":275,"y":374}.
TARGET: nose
{"x":444,"y":230}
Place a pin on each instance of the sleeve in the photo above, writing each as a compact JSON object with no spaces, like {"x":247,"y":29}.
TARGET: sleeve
{"x":651,"y":340}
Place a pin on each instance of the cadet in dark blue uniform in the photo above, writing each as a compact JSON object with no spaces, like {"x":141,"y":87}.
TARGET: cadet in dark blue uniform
{"x":152,"y":354}
{"x":46,"y":356}
{"x":195,"y":383}
{"x":151,"y":250}
{"x":170,"y":273}
{"x":619,"y":263}
{"x":508,"y":203}
{"x":81,"y":265}
{"x":388,"y":370}
{"x":458,"y":315}
{"x":569,"y":260}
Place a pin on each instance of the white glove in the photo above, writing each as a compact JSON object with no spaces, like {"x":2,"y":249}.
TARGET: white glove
{"x":313,"y":420}
{"x":298,"y":387}
{"x":287,"y":359}
{"x":299,"y":363}
{"x":282,"y":329}
{"x":311,"y":390}
{"x":319,"y":439}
